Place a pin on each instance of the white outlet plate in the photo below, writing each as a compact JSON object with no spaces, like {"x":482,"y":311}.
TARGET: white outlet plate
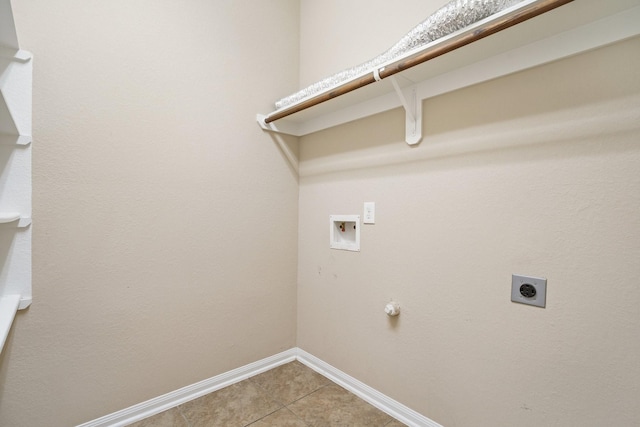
{"x":369,"y":213}
{"x":538,"y":283}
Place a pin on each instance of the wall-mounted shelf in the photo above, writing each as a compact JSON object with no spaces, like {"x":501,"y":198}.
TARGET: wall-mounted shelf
{"x":568,"y":30}
{"x":15,"y":120}
{"x":8,"y":307}
{"x":16,"y":71}
{"x":9,"y":139}
{"x":15,"y":219}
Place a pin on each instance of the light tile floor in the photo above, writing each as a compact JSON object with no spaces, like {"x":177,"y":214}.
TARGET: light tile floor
{"x":291,"y":395}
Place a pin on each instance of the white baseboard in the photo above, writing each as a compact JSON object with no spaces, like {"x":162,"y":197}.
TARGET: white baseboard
{"x":393,"y":408}
{"x":170,"y":400}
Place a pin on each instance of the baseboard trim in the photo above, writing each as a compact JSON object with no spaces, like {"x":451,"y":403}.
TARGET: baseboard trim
{"x":170,"y":400}
{"x":393,"y":408}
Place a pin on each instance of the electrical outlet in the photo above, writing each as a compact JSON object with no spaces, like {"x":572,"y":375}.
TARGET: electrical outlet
{"x":369,"y":213}
{"x":529,"y":290}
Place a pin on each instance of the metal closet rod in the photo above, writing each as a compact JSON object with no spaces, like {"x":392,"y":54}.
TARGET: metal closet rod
{"x":520,"y":15}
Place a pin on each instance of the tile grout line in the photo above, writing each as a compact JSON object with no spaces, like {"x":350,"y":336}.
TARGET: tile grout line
{"x":286,"y":405}
{"x":306,"y":395}
{"x":270,"y":397}
{"x":263,"y":417}
{"x":255,"y":383}
{"x":298,"y":418}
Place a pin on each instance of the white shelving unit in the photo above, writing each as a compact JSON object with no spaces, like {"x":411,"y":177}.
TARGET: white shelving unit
{"x":570,"y":29}
{"x":15,"y":173}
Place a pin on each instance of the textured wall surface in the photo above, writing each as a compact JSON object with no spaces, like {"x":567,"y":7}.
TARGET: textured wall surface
{"x":166,"y":227}
{"x":165,"y":220}
{"x":535,"y":173}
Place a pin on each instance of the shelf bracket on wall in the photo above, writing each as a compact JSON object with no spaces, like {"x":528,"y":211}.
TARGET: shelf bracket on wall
{"x":15,"y":219}
{"x":413,"y":111}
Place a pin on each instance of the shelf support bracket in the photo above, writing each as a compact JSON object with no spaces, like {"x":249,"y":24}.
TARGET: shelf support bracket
{"x":413,"y":111}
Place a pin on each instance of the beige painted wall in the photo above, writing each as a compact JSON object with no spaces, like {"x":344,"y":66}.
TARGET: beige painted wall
{"x":165,"y":220}
{"x":155,"y":221}
{"x":535,"y":173}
